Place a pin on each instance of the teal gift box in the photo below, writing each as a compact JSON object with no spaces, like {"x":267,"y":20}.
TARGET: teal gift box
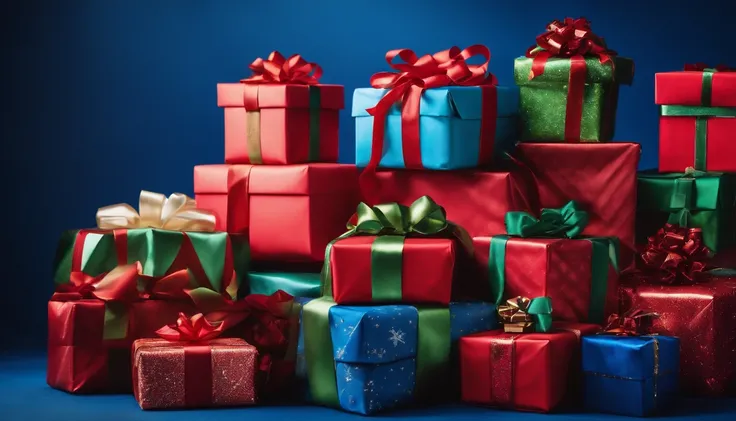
{"x":449,"y":127}
{"x":297,"y":284}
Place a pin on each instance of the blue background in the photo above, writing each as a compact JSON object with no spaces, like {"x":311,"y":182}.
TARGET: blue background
{"x":104,"y":98}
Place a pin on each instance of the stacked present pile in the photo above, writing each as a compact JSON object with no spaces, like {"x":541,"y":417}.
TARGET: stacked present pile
{"x":504,"y":252}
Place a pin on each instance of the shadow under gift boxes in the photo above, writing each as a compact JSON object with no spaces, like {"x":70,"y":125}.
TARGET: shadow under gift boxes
{"x":451,"y":120}
{"x":290,"y":212}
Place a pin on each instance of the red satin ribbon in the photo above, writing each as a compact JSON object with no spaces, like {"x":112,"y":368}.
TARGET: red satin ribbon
{"x":120,"y":284}
{"x":278,"y":70}
{"x":632,"y":323}
{"x":120,"y":237}
{"x":676,"y":255}
{"x":699,"y":67}
{"x":572,"y":39}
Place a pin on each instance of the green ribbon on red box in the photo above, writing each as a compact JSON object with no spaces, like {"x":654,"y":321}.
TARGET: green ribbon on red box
{"x":566,"y":222}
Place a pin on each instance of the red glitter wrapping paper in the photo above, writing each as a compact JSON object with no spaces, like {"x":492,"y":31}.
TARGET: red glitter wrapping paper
{"x":601,"y":177}
{"x":219,"y":372}
{"x":528,"y":371}
{"x":703,"y":316}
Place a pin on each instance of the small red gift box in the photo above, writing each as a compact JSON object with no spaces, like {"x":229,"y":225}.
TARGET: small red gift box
{"x":527,"y":371}
{"x":290,"y":212}
{"x":702,"y":316}
{"x":281,"y":115}
{"x":600,"y":177}
{"x":423,"y":275}
{"x":582,"y":288}
{"x":698,"y":119}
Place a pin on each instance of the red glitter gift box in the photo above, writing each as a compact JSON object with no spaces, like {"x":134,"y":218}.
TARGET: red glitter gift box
{"x":290,"y":212}
{"x":703,"y":316}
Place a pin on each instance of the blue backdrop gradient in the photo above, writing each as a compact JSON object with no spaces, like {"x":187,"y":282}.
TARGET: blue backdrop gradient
{"x":104,"y":98}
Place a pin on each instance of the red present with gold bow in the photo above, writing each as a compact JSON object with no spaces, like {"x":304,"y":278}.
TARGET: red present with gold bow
{"x":93,"y":321}
{"x":569,"y":83}
{"x":281,"y":114}
{"x":696,"y":126}
{"x":190,"y":367}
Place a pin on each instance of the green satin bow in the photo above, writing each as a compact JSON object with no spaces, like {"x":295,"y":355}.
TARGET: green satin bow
{"x":567,"y":221}
{"x":682,"y":198}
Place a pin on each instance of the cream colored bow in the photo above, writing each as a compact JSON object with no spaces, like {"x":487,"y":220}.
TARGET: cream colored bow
{"x":178,"y":212}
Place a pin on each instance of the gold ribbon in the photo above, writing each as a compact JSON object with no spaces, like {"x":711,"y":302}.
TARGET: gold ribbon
{"x":178,"y":212}
{"x":522,"y":315}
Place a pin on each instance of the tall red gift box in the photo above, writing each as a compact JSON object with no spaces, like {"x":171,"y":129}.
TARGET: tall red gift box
{"x":703,"y":316}
{"x":600,"y":177}
{"x":698,"y":119}
{"x":290,"y":212}
{"x":475,"y":200}
{"x":280,"y":123}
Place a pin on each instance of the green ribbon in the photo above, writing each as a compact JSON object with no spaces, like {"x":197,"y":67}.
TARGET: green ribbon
{"x":566,"y":222}
{"x":315,"y":108}
{"x":295,"y":284}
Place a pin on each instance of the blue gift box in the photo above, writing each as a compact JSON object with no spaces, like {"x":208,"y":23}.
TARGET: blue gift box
{"x":630,"y":375}
{"x":449,"y":127}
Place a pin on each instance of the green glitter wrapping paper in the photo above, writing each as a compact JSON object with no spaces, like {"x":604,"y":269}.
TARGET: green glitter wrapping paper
{"x":543,"y":100}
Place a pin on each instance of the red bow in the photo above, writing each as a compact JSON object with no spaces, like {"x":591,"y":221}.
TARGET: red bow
{"x":676,"y":253}
{"x":171,"y":286}
{"x":700,"y":67}
{"x":631,"y":323}
{"x":277,"y":69}
{"x":120,"y":284}
{"x":566,"y":39}
{"x":190,"y":329}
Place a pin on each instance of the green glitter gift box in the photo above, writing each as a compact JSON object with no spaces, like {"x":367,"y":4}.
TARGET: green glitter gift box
{"x":569,"y":84}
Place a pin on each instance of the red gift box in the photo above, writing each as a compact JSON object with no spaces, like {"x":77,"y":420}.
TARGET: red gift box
{"x":425,"y":275}
{"x":697,"y":122}
{"x":290,"y":212}
{"x":273,"y":124}
{"x":702,"y":316}
{"x":475,"y":200}
{"x":600,"y":177}
{"x":528,"y":371}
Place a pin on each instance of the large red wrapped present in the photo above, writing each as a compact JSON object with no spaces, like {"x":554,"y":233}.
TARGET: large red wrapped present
{"x":93,"y":321}
{"x":600,"y":177}
{"x":281,"y":114}
{"x":190,"y":367}
{"x":702,"y":316}
{"x":290,"y":212}
{"x":522,"y":371}
{"x":475,"y":200}
{"x":697,"y":121}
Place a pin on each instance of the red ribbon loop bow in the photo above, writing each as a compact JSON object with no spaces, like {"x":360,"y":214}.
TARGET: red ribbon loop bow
{"x":278,"y":70}
{"x":171,"y":286}
{"x":120,"y":284}
{"x":676,"y":254}
{"x":702,"y":67}
{"x":191,"y":329}
{"x":632,"y":323}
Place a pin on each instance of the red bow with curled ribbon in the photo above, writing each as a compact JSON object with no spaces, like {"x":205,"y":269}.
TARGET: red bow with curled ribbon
{"x":120,"y":284}
{"x":676,"y":254}
{"x":632,"y":323}
{"x":279,"y":70}
{"x":191,"y":329}
{"x":701,"y":67}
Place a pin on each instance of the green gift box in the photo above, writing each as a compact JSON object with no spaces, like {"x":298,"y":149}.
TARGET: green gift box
{"x":295,"y":284}
{"x":695,"y":200}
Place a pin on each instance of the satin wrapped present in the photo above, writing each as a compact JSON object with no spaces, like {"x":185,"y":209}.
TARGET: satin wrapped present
{"x":281,"y":114}
{"x":693,"y":199}
{"x":374,"y":358}
{"x":569,"y":84}
{"x":295,"y":284}
{"x":630,"y":375}
{"x":599,"y":177}
{"x":190,"y":367}
{"x":697,"y":123}
{"x":290,"y":212}
{"x":436,"y":112}
{"x":548,"y":257}
{"x":92,"y":323}
{"x":521,"y":371}
{"x":701,"y":315}
{"x":169,"y":234}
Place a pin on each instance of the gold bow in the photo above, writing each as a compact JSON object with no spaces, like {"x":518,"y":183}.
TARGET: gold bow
{"x":178,"y":212}
{"x":514,"y":317}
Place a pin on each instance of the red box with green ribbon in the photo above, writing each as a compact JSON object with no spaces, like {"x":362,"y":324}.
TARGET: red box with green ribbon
{"x":548,"y":257}
{"x":698,"y":119}
{"x":281,"y":114}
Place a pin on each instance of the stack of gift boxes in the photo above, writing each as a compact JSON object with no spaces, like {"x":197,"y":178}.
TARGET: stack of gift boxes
{"x":526,"y":276}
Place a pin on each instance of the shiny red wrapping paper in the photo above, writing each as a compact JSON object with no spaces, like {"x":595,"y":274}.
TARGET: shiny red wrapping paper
{"x":556,"y":268}
{"x":284,"y":115}
{"x":426,"y":272}
{"x":703,"y":316}
{"x":601,"y":177}
{"x":81,"y":360}
{"x":527,"y":371}
{"x":290,"y":212}
{"x":677,"y":134}
{"x":219,"y":372}
{"x":475,"y":200}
